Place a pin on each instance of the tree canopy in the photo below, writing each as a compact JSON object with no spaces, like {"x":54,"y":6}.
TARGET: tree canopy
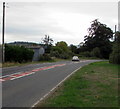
{"x":61,"y":50}
{"x":115,"y":55}
{"x":47,"y":40}
{"x":99,"y":35}
{"x":47,"y":43}
{"x":63,"y":45}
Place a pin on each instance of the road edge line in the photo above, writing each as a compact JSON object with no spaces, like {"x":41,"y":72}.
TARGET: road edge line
{"x":54,"y":88}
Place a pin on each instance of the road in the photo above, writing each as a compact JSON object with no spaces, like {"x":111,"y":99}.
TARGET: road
{"x":23,"y":86}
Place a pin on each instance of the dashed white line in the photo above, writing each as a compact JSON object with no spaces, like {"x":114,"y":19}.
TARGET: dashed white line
{"x":22,"y":76}
{"x":10,"y":74}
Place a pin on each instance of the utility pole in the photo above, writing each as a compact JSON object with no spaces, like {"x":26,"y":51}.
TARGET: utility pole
{"x":115,"y":28}
{"x":115,"y":32}
{"x":3,"y":33}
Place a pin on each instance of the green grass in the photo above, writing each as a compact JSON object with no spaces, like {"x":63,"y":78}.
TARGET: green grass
{"x":11,"y":64}
{"x":94,"y":85}
{"x":82,"y":58}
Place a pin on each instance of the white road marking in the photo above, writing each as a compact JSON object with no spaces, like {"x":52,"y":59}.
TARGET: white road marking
{"x":17,"y":75}
{"x":22,"y":76}
{"x":2,"y":80}
{"x":10,"y":74}
{"x":19,"y":72}
{"x":53,"y":88}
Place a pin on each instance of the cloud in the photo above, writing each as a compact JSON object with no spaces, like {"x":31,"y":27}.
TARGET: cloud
{"x":62,"y":21}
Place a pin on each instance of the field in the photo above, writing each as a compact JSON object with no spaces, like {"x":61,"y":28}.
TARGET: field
{"x":94,"y":85}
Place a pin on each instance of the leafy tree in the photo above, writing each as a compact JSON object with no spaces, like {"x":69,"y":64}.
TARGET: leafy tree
{"x":63,"y":45}
{"x":56,"y":48}
{"x":56,"y":51}
{"x":115,"y":55}
{"x":61,"y":50}
{"x":73,"y":48}
{"x":47,"y":42}
{"x":45,"y":57}
{"x":99,"y":36}
{"x":85,"y":54}
{"x":96,"y":52}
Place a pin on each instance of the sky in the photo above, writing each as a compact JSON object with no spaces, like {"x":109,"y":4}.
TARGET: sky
{"x":62,"y":21}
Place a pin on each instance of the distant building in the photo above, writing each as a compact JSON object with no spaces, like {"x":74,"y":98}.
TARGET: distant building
{"x":38,"y":49}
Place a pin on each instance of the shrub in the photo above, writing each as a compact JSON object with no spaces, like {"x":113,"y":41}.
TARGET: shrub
{"x":64,"y":56}
{"x":96,"y":52}
{"x":60,"y":53}
{"x":114,"y":58}
{"x":55,"y":54}
{"x":115,"y":55}
{"x":45,"y":57}
{"x":85,"y":54}
{"x":18,"y":54}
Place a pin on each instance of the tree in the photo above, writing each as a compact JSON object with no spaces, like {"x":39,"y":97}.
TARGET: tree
{"x":56,"y":51}
{"x":47,"y":42}
{"x":73,"y":48}
{"x":99,"y":35}
{"x":115,"y":55}
{"x":63,"y":45}
{"x":61,"y":50}
{"x":96,"y":52}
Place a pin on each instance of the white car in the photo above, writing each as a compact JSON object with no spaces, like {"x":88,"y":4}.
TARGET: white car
{"x":75,"y":58}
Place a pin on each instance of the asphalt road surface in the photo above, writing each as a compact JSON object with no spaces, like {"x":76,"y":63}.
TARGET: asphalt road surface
{"x":23,"y":86}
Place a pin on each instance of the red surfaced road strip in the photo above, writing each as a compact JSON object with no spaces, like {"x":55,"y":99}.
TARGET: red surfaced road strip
{"x":7,"y":78}
{"x":15,"y":76}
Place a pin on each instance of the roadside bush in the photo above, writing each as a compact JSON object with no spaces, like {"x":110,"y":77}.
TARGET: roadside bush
{"x":85,"y":54}
{"x":114,"y":58}
{"x":55,"y":54}
{"x":64,"y":56}
{"x":96,"y":52}
{"x":45,"y":57}
{"x":60,"y":53}
{"x":115,"y":55}
{"x":18,"y":54}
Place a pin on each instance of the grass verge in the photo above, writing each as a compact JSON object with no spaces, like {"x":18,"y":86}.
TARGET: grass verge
{"x":94,"y":85}
{"x":11,"y":64}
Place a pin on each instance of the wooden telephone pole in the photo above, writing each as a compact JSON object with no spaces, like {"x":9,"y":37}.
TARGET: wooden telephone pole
{"x":115,"y":31}
{"x":3,"y":33}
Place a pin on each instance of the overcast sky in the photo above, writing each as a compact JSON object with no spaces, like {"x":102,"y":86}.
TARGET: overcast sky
{"x":62,"y":21}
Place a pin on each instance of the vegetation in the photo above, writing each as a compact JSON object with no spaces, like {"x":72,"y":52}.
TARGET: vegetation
{"x":96,"y":52}
{"x":47,"y":43}
{"x":10,"y":64}
{"x":115,"y":55}
{"x":73,"y":49}
{"x":98,"y":40}
{"x":61,"y":50}
{"x":94,"y":85}
{"x":17,"y":54}
{"x":23,"y":43}
{"x":45,"y":57}
{"x":97,"y":44}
